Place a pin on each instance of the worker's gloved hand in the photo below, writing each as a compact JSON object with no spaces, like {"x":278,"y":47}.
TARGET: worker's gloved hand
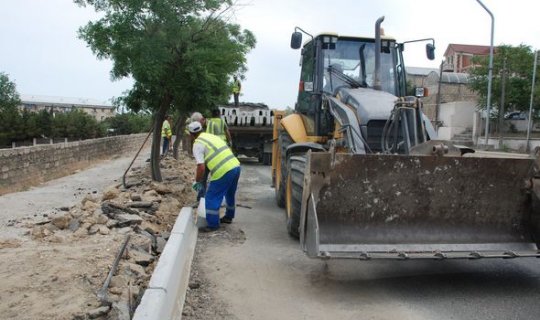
{"x":197,"y":186}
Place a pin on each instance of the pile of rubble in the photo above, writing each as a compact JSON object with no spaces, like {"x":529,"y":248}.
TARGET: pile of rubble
{"x":142,"y":215}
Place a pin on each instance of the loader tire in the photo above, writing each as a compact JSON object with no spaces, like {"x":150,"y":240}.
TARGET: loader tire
{"x":295,"y":187}
{"x":284,"y":140}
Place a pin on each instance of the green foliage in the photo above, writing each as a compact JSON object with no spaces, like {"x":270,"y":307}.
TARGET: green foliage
{"x":181,"y":53}
{"x":9,"y":98}
{"x":76,"y":124}
{"x":128,"y":123}
{"x":519,"y":69}
{"x":17,"y":126}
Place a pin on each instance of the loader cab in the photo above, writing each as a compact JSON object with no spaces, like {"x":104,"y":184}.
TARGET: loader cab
{"x":330,"y":62}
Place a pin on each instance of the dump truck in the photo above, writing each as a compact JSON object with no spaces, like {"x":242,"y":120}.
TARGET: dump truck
{"x":250,"y":125}
{"x":362,"y":175}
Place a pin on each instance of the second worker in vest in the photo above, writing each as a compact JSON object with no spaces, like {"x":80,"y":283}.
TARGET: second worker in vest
{"x":211,"y":151}
{"x":217,"y":126}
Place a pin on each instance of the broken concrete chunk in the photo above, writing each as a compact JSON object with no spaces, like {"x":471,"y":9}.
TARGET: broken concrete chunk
{"x":61,"y":221}
{"x":140,"y":257}
{"x":161,"y":188}
{"x":76,"y":213}
{"x":140,"y":204}
{"x":119,"y":281}
{"x":99,"y":312}
{"x":160,"y":244}
{"x":88,"y":198}
{"x":126,"y":219}
{"x":134,"y":268}
{"x":124,"y":230}
{"x":74,"y":224}
{"x":111,"y":209}
{"x":142,"y":239}
{"x":150,"y":228}
{"x":94,"y":229}
{"x":110,"y":193}
{"x":120,"y":310}
{"x":111,"y":223}
{"x":135,"y":197}
{"x":101,"y":219}
{"x":151,"y":193}
{"x":104,"y":230}
{"x":89,"y":206}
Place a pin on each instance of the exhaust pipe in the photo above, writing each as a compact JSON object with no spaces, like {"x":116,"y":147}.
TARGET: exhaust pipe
{"x":377,"y":80}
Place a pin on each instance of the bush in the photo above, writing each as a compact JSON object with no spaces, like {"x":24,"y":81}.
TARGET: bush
{"x":127,"y":123}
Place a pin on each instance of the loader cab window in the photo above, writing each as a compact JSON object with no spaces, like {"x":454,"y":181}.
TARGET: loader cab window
{"x":352,"y":63}
{"x":306,"y":101}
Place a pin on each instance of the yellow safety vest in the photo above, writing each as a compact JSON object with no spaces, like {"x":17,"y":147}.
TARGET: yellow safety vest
{"x":219,"y":158}
{"x":166,"y":129}
{"x":216,"y":126}
{"x":236,"y":86}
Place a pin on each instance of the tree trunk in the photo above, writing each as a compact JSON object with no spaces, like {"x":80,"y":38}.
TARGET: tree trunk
{"x":155,"y":155}
{"x":179,"y":132}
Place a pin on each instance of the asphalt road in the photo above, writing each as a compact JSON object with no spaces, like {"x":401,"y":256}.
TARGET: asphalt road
{"x":269,"y":277}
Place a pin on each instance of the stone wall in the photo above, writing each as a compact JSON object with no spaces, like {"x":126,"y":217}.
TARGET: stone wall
{"x":23,"y":167}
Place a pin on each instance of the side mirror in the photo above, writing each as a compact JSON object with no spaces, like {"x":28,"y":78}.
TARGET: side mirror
{"x":296,"y":40}
{"x":430,"y":51}
{"x":420,"y":92}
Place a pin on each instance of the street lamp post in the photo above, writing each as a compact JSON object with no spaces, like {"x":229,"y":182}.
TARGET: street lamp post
{"x":490,"y":70}
{"x":531,"y":103}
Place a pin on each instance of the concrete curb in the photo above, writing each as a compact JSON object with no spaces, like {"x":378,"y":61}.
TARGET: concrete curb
{"x":166,"y":292}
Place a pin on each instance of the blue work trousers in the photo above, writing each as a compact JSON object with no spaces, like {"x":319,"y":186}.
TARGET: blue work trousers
{"x":217,"y":189}
{"x":166,"y":142}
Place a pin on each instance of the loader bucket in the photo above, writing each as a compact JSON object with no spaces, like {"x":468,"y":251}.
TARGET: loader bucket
{"x":405,"y":207}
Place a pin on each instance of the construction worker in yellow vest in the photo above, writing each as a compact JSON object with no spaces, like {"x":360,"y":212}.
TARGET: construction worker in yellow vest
{"x":236,"y":88}
{"x":166,"y":134}
{"x":218,"y":127}
{"x":212,"y":152}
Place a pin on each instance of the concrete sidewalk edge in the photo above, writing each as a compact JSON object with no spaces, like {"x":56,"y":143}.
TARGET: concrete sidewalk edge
{"x":166,"y":292}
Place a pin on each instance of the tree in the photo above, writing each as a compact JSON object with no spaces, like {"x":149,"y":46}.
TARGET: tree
{"x":131,"y":122}
{"x":9,"y":98}
{"x":519,"y":65}
{"x":180,"y":53}
{"x":10,"y":119}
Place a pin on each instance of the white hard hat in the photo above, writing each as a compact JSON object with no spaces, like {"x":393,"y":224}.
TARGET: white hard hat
{"x":196,"y":116}
{"x":194,"y":127}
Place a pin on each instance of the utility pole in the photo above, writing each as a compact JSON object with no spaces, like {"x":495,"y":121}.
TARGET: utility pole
{"x":531,"y":103}
{"x":501,"y":103}
{"x":438,"y":105}
{"x":490,"y":72}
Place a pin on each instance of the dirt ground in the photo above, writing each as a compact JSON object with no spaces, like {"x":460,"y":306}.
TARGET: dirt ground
{"x":201,"y":301}
{"x":53,"y":264}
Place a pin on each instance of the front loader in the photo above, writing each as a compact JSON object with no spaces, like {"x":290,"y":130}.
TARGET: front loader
{"x":361,"y":174}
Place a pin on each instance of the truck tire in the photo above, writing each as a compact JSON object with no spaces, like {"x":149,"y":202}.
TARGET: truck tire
{"x":284,"y":140}
{"x":295,"y":188}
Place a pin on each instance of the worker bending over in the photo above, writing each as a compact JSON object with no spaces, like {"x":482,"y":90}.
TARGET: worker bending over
{"x":211,"y":151}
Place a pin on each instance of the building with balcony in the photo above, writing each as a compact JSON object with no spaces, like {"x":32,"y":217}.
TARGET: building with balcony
{"x":458,"y":57}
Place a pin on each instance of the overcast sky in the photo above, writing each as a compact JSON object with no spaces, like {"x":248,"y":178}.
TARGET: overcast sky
{"x":43,"y":56}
